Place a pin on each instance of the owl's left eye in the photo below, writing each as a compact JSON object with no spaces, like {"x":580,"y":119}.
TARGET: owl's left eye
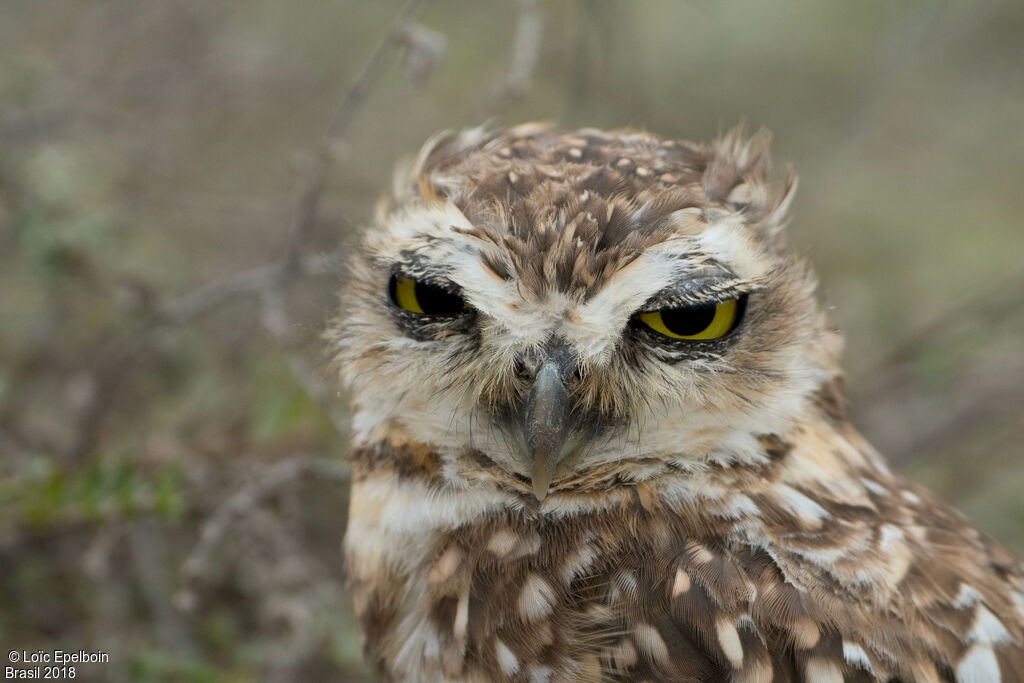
{"x":704,"y":322}
{"x":423,"y":298}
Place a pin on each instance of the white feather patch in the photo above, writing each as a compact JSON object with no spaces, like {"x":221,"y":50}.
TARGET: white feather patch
{"x":650,"y":641}
{"x":979,"y":665}
{"x":823,"y":671}
{"x":729,"y":241}
{"x":507,"y":659}
{"x":874,"y":487}
{"x":854,"y":654}
{"x":988,"y":629}
{"x":540,"y":674}
{"x":729,"y":640}
{"x":578,"y":563}
{"x":461,"y":618}
{"x":408,"y":507}
{"x":967,"y":597}
{"x":601,"y":320}
{"x":799,"y":504}
{"x":681,"y":584}
{"x":536,"y":598}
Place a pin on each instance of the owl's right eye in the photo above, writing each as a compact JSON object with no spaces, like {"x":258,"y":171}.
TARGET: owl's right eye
{"x":423,"y":298}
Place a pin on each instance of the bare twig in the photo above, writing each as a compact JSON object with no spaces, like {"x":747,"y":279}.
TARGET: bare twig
{"x":341,"y":121}
{"x":422,"y":50}
{"x":276,"y":321}
{"x":1007,"y":295}
{"x":987,"y":413}
{"x":116,"y":356}
{"x":526,"y":46}
{"x":977,"y":407}
{"x":317,"y":390}
{"x":249,"y":282}
{"x":150,"y":555}
{"x":268,"y":481}
{"x":264,"y":281}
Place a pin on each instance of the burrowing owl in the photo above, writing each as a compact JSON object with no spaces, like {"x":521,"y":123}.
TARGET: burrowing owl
{"x":599,"y":435}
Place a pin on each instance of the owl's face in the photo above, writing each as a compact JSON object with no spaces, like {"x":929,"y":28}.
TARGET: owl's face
{"x":551,"y":311}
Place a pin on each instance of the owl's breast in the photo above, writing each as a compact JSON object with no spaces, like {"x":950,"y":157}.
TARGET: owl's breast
{"x":465,"y":585}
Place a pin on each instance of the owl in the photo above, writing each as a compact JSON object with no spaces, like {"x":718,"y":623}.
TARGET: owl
{"x":599,"y":435}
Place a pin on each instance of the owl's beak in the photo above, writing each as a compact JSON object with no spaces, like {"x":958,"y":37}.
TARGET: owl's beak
{"x":546,"y":420}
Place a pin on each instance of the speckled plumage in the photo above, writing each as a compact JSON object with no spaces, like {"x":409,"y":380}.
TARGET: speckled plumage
{"x":716,"y":517}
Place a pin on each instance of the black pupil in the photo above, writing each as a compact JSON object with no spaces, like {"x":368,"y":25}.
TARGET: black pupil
{"x":432,"y":299}
{"x":436,"y":300}
{"x":688,"y":321}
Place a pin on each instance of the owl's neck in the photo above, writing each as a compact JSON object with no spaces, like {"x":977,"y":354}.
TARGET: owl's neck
{"x":818,"y":449}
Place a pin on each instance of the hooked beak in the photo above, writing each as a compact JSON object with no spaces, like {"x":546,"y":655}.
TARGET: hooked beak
{"x":546,"y":421}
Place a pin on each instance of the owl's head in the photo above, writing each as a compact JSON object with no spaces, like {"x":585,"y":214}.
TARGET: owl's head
{"x":550,"y":311}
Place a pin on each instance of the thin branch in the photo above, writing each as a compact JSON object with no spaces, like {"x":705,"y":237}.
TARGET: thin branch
{"x":277,"y":322}
{"x":526,"y":46}
{"x":150,"y":557}
{"x":110,"y":364}
{"x":269,"y":481}
{"x":988,"y":412}
{"x":309,"y":201}
{"x":207,"y":297}
{"x":1007,"y":295}
{"x":117,"y":354}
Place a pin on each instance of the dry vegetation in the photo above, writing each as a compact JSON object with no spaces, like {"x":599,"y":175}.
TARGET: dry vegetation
{"x":179,"y":180}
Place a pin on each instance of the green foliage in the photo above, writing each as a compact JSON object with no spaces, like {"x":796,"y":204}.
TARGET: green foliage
{"x":155,"y":666}
{"x":100,"y":492}
{"x":279,"y":408}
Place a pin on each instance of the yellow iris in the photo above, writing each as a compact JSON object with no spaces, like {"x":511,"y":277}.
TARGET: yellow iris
{"x":405,"y":295}
{"x":721,"y":322}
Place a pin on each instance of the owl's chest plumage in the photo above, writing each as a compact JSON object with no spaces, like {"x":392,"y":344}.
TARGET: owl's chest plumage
{"x":774,"y":583}
{"x":514,"y":596}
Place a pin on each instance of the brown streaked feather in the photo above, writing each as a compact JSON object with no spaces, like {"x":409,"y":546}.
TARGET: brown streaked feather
{"x":605,"y":196}
{"x":696,"y":599}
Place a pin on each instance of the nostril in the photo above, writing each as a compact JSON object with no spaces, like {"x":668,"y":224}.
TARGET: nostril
{"x":576,"y":376}
{"x":522,"y":372}
{"x":565,"y":362}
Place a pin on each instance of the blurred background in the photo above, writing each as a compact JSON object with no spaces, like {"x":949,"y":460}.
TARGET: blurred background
{"x":180,"y":181}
